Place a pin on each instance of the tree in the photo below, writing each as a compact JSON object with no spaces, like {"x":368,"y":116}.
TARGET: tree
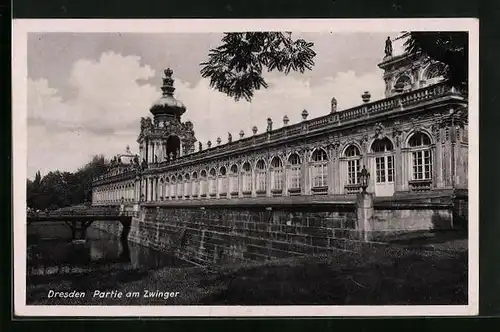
{"x":61,"y":189}
{"x":235,"y":67}
{"x":449,"y":48}
{"x":33,"y":190}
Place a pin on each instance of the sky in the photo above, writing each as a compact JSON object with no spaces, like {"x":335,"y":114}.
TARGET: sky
{"x":88,"y":91}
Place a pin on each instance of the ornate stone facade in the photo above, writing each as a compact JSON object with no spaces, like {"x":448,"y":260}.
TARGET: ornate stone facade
{"x":412,"y":142}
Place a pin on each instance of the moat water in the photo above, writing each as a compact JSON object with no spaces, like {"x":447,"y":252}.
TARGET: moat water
{"x":52,"y":252}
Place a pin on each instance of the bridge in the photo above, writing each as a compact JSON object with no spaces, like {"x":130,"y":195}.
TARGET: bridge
{"x":79,"y":219}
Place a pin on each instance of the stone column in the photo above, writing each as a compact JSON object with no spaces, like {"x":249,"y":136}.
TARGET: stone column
{"x":148,"y":189}
{"x":398,"y":163}
{"x":153,"y":187}
{"x":285,"y":177}
{"x":151,"y":152}
{"x":437,"y":163}
{"x":254,"y":182}
{"x":337,"y":176}
{"x":331,"y":181}
{"x":268,"y":180}
{"x":454,"y":154}
{"x":365,"y":213}
{"x":136,"y":191}
{"x":405,"y":169}
{"x":304,"y":181}
{"x":240,"y":181}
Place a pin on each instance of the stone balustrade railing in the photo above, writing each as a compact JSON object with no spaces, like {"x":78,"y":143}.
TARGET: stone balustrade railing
{"x":129,"y":173}
{"x":333,"y":119}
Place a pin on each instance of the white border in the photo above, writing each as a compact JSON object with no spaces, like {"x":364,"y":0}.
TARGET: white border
{"x":19,"y":126}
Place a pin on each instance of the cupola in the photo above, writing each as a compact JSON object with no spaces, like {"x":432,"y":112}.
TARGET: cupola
{"x":167,"y":108}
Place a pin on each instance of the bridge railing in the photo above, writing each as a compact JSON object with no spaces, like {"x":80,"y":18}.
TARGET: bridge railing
{"x":82,"y":212}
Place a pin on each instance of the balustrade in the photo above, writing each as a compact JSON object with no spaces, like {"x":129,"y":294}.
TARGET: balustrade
{"x":388,"y":104}
{"x":420,"y":185}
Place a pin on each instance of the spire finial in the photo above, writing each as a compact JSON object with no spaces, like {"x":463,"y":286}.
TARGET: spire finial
{"x":168,"y":83}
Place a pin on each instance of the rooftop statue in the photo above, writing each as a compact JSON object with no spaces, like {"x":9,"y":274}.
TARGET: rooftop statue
{"x":388,"y":47}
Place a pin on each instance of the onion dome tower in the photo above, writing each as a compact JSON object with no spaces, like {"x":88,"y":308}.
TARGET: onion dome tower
{"x":167,"y":108}
{"x":165,"y":137}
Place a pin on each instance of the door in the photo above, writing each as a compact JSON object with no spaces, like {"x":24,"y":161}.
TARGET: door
{"x":384,"y":175}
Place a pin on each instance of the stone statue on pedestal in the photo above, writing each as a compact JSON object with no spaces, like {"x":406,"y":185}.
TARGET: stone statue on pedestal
{"x":388,"y":47}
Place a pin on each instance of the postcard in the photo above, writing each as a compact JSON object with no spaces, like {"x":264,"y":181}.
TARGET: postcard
{"x":245,"y":168}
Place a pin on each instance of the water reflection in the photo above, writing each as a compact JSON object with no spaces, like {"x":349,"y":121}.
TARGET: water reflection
{"x":100,"y":252}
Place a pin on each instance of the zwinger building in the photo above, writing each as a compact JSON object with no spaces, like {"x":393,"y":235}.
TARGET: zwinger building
{"x":414,"y":142}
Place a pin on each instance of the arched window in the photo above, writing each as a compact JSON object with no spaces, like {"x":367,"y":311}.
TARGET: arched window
{"x":161,"y":186}
{"x":212,"y":185}
{"x":173,"y":147}
{"x":203,"y":182}
{"x":276,"y":174}
{"x":180,"y":186}
{"x":421,"y":156}
{"x":195,"y":187}
{"x":246,"y":176}
{"x":233,"y":180}
{"x":434,"y":73}
{"x":187,"y":185}
{"x":402,"y":84}
{"x":260,"y":170}
{"x":173,"y":187}
{"x":319,"y":171}
{"x":353,"y":161}
{"x":384,"y":160}
{"x":294,"y":172}
{"x":167,"y":188}
{"x":222,"y":185}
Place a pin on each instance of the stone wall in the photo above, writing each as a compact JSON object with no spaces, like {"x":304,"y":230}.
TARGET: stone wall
{"x":408,"y":214}
{"x":211,"y":235}
{"x":218,"y":234}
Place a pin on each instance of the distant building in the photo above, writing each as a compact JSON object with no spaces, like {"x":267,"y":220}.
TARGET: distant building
{"x":413,"y":142}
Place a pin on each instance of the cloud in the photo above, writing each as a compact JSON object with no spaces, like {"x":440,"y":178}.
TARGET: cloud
{"x":111,"y":96}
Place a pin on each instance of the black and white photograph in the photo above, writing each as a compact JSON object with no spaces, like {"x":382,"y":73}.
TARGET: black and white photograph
{"x":245,"y":167}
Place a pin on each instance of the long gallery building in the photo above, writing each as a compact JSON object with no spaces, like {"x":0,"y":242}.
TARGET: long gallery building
{"x":413,"y":142}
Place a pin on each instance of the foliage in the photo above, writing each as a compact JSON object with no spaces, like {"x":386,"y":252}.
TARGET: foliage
{"x":235,"y":67}
{"x":60,"y":189}
{"x":450,"y":48}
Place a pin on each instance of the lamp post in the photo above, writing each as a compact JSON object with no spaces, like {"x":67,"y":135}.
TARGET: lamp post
{"x":365,"y":209}
{"x":364,"y":177}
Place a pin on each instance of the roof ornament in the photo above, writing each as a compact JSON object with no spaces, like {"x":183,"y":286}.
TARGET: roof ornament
{"x":388,"y":47}
{"x":168,"y":83}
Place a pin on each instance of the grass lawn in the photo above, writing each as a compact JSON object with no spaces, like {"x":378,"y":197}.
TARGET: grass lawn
{"x":392,"y":275}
